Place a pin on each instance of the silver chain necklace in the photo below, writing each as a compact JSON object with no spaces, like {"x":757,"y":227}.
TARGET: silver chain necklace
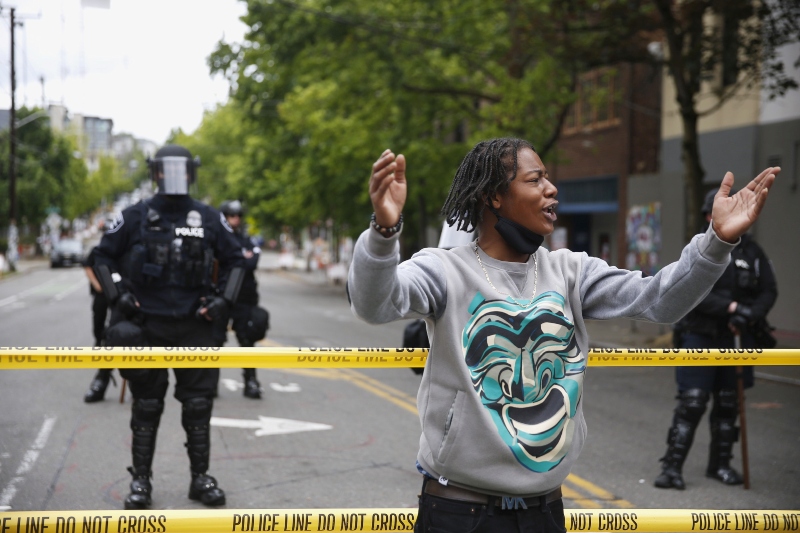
{"x":535,"y":279}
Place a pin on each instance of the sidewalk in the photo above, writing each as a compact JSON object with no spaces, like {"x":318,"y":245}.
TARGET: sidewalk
{"x":26,"y":265}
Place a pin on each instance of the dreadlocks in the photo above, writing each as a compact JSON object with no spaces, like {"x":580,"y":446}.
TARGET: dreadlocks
{"x":485,"y":171}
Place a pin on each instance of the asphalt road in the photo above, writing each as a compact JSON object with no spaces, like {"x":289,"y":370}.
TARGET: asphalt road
{"x":58,"y":453}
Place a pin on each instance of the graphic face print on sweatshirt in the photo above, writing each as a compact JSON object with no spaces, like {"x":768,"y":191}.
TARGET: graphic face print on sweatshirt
{"x":528,"y":371}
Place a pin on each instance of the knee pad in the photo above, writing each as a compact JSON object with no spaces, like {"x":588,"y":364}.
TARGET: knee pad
{"x":726,"y":404}
{"x":146,"y":413}
{"x":196,"y":412}
{"x":692,"y":405}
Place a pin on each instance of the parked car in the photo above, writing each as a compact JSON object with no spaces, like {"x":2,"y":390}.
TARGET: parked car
{"x":66,"y":252}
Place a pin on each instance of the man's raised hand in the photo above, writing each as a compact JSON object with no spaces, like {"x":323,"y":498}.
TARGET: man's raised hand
{"x":732,"y":216}
{"x":387,"y":188}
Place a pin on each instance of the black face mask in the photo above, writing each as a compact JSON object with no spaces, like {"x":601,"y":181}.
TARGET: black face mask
{"x":517,"y":236}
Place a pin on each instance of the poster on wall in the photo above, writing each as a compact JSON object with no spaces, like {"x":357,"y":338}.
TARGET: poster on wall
{"x":643,"y":233}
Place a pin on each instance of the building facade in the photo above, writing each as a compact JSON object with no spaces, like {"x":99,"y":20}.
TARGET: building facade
{"x":94,"y":134}
{"x":611,"y":135}
{"x":747,"y":134}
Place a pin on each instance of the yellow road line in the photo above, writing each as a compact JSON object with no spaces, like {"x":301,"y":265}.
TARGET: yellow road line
{"x":599,"y":492}
{"x":398,"y":397}
{"x":408,"y":402}
{"x":571,"y":494}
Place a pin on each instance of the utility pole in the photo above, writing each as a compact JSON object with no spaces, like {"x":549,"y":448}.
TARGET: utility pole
{"x":13,"y":253}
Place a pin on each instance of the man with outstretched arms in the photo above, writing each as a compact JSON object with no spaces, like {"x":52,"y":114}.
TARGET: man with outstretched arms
{"x":501,"y":398}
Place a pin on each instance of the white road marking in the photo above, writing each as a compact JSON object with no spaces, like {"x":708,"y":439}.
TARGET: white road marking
{"x":69,"y":290}
{"x":267,"y":425}
{"x":27,"y":463}
{"x":10,"y":300}
{"x":232,"y":384}
{"x":15,"y":297}
{"x":291,"y":387}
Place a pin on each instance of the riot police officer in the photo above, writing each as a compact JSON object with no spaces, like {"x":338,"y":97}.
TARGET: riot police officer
{"x":99,"y":384}
{"x":155,"y":265}
{"x":249,"y":321}
{"x":736,"y":306}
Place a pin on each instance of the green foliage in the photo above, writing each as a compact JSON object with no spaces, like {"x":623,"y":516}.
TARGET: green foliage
{"x":106,"y":183}
{"x":321,"y":87}
{"x":47,"y":173}
{"x":50,"y":175}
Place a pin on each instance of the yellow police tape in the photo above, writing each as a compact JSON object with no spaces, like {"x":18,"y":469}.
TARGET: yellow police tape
{"x":368,"y":520}
{"x":43,"y":357}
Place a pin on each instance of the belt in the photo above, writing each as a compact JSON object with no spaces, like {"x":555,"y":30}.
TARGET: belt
{"x":449,"y":492}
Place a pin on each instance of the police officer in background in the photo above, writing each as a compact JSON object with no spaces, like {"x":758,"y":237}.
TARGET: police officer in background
{"x":155,"y":266}
{"x":99,"y":384}
{"x":737,"y":305}
{"x":249,"y":321}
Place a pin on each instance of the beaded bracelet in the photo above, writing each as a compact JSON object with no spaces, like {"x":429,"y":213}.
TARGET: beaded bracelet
{"x":390,"y":231}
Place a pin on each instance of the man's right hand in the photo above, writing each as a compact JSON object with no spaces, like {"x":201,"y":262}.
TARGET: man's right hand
{"x":387,"y":188}
{"x":741,"y":319}
{"x":128,"y":305}
{"x":213,"y":308}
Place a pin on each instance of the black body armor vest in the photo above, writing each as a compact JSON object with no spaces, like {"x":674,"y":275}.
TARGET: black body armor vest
{"x":170,"y":256}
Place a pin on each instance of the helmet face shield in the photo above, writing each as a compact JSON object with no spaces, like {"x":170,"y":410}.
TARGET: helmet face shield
{"x":173,"y":174}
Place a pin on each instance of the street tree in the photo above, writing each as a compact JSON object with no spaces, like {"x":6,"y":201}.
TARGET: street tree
{"x":48,"y":175}
{"x":326,"y":85}
{"x":723,"y":48}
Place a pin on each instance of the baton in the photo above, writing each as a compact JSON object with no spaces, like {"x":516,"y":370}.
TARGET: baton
{"x":122,"y":391}
{"x":737,"y":343}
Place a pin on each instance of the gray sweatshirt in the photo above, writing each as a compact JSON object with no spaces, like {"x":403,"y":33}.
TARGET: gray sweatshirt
{"x":500,"y":401}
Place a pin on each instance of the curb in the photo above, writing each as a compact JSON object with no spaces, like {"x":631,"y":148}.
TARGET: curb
{"x":32,"y":268}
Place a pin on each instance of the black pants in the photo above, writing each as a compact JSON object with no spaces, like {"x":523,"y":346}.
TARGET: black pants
{"x":189,"y":382}
{"x":238,"y":316}
{"x":711,"y":378}
{"x":451,"y":516}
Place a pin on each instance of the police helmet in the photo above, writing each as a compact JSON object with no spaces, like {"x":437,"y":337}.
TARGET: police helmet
{"x":231,"y":208}
{"x":708,"y":201}
{"x":173,"y":169}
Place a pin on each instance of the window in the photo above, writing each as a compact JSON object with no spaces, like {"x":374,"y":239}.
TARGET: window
{"x":597,"y":103}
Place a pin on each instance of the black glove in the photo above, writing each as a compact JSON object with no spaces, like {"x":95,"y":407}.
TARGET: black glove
{"x":127,"y":305}
{"x":215,"y":307}
{"x":738,"y":322}
{"x":745,"y":311}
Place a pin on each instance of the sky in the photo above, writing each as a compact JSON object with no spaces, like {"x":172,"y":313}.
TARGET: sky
{"x":141,"y":63}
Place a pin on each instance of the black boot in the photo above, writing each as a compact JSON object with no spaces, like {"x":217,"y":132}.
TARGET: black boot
{"x":252,"y":388}
{"x":141,"y":488}
{"x":671,"y":476}
{"x":195,"y":417}
{"x":691,"y":406}
{"x":145,"y":417}
{"x":98,"y":386}
{"x":204,"y":489}
{"x":723,"y":434}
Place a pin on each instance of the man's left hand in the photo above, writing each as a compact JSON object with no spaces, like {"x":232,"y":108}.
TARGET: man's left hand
{"x":732,"y":216}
